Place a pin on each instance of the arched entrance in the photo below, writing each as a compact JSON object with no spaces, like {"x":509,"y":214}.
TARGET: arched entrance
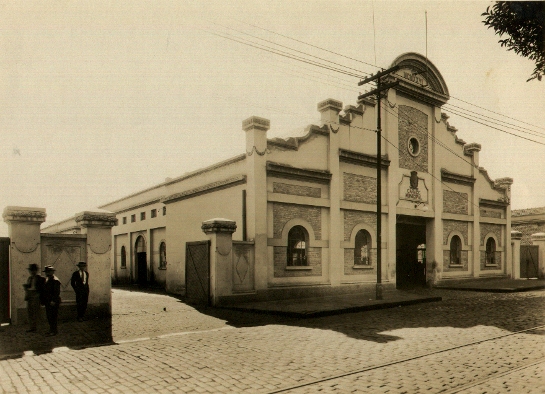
{"x":411,"y":252}
{"x":141,"y":261}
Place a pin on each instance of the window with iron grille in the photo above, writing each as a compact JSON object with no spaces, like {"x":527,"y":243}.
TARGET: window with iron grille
{"x":297,"y":246}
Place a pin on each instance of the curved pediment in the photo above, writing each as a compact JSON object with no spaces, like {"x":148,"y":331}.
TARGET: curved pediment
{"x":419,"y":78}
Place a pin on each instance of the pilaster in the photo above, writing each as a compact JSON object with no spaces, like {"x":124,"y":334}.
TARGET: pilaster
{"x":330,"y":109}
{"x":24,"y":233}
{"x":98,"y":228}
{"x":220,"y":232}
{"x":256,"y":193}
{"x":516,"y":237}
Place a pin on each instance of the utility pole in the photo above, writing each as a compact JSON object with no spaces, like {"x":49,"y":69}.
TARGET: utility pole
{"x":378,"y":92}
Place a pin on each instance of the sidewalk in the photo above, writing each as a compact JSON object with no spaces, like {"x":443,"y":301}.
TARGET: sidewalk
{"x":493,"y":285}
{"x":333,"y":305}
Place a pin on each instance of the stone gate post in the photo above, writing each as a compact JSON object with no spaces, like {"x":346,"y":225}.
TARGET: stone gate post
{"x":539,"y":240}
{"x":98,"y":228}
{"x":24,"y":233}
{"x":220,"y":231}
{"x":516,"y":237}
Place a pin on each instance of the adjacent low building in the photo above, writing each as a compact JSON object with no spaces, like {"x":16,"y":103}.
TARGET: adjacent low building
{"x":305,"y":207}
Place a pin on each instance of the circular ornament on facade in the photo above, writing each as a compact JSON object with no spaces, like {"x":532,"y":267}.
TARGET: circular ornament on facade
{"x":413,"y":146}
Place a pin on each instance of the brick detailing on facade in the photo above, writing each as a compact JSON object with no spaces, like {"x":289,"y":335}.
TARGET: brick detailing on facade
{"x":491,"y":213}
{"x":359,"y":188}
{"x":349,"y":263}
{"x":352,"y":218}
{"x":297,"y":190}
{"x":413,"y":123}
{"x":314,"y":260}
{"x":487,"y":228}
{"x":454,"y":225}
{"x":497,"y":259}
{"x":454,"y":202}
{"x":283,"y":213}
{"x":464,"y":260}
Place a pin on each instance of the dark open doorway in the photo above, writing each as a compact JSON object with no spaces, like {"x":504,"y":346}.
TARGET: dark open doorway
{"x":410,"y":253}
{"x":141,"y":261}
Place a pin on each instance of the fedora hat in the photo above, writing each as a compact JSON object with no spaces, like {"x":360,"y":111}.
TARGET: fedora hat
{"x":82,"y":264}
{"x":33,"y":267}
{"x":49,"y":268}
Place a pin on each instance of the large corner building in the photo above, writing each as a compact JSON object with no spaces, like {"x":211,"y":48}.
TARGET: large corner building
{"x":305,"y":207}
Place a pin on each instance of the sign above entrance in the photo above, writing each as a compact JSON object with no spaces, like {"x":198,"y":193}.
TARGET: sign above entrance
{"x":413,"y":189}
{"x":411,"y":75}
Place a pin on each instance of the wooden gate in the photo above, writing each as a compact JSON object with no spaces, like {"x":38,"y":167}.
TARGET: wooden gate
{"x":197,"y":272}
{"x":4,"y":281}
{"x":529,"y":262}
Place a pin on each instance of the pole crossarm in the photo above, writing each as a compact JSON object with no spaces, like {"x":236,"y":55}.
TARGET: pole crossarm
{"x":378,"y":90}
{"x":379,"y":75}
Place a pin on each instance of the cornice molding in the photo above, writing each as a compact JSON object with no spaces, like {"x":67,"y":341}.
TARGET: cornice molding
{"x":306,"y":175}
{"x":460,"y":179}
{"x":95,"y":219}
{"x":21,"y":214}
{"x":205,"y":189}
{"x":362,"y":159}
{"x":139,"y":205}
{"x":219,"y":226}
{"x":492,"y":203}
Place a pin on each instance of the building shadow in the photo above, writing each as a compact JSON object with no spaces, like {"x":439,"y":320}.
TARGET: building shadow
{"x":504,"y":312}
{"x":16,"y":342}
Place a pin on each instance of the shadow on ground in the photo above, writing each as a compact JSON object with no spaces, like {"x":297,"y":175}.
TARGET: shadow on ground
{"x":15,"y":341}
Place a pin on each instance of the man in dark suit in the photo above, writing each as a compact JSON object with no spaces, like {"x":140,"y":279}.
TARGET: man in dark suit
{"x":51,"y":298}
{"x":80,"y":284}
{"x":34,"y":287}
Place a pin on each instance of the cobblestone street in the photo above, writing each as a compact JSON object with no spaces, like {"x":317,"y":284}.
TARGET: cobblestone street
{"x":469,"y":342}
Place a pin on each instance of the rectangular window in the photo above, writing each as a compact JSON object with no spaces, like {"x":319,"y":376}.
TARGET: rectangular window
{"x":124,"y":220}
{"x":164,"y":211}
{"x":133,"y":218}
{"x":142,"y":215}
{"x":154,"y":213}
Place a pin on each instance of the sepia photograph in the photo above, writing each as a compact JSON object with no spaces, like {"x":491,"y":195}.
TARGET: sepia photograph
{"x":272,"y":196}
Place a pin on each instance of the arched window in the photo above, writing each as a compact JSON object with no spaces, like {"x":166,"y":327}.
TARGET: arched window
{"x":297,"y":246}
{"x":362,"y":251}
{"x":163,"y":255}
{"x":490,"y":251}
{"x":123,"y":257}
{"x":456,"y":250}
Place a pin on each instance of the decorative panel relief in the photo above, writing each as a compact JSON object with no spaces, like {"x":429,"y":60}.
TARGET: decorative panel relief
{"x":491,"y":213}
{"x":453,"y":225}
{"x":64,"y":253}
{"x":463,"y":260}
{"x":283,"y":213}
{"x":413,"y":139}
{"x":297,"y":190}
{"x":314,"y":267}
{"x":243,"y":266}
{"x":349,"y":268}
{"x":487,"y":228}
{"x":359,"y":188}
{"x":352,"y":218}
{"x":455,"y":202}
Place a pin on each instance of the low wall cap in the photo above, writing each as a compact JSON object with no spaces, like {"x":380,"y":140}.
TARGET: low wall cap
{"x":24,"y":214}
{"x":219,"y":225}
{"x":91,"y":218}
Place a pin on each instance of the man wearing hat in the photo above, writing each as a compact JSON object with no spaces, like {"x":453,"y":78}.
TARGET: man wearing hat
{"x":33,"y":290}
{"x":80,"y":284}
{"x":51,"y":298}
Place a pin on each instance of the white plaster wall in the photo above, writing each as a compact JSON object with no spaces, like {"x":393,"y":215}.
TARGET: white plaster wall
{"x":184,"y":220}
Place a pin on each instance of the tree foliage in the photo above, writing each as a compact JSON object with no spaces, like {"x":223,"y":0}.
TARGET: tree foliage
{"x":523,"y":22}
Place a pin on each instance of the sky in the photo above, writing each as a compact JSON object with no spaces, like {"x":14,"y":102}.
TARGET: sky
{"x":101,"y":99}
